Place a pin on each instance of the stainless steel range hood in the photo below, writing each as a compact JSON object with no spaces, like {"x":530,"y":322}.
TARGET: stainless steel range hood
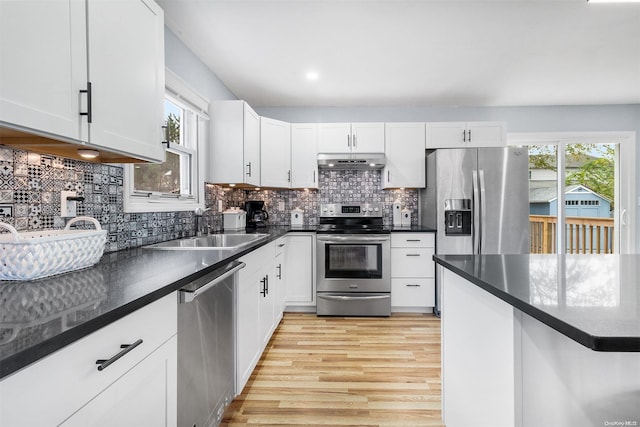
{"x":357,"y":161}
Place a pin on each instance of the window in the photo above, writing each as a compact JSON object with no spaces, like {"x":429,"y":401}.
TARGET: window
{"x":603,"y":163}
{"x":176,"y":184}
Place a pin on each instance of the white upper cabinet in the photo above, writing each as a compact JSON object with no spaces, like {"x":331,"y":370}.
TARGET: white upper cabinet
{"x":126,"y":71}
{"x":304,"y":155}
{"x":351,"y":138}
{"x":275,"y":153}
{"x":58,"y":56}
{"x":404,"y":152}
{"x":466,"y":134}
{"x":234,"y":155}
{"x":43,"y":66}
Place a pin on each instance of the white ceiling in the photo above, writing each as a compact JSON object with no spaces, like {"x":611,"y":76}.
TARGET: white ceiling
{"x":421,"y":52}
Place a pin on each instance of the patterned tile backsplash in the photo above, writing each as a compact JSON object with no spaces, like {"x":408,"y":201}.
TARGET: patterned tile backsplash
{"x":30,"y":186}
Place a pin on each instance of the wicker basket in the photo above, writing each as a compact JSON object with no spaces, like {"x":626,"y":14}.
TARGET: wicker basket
{"x":37,"y":254}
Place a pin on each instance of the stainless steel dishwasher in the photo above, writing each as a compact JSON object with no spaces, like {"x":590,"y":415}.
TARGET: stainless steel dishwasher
{"x":206,"y":347}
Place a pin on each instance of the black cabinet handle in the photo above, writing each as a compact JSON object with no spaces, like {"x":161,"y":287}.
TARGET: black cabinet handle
{"x":409,"y":285}
{"x":249,"y":168}
{"x":267,"y":278}
{"x":280,"y":271}
{"x":88,"y":113}
{"x":263,"y":292}
{"x":104,"y":363}
{"x":469,"y":135}
{"x":413,"y":254}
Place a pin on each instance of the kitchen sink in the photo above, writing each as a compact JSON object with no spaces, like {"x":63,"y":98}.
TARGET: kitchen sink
{"x":212,"y":241}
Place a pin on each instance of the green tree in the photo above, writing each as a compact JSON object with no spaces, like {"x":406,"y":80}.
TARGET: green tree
{"x":596,"y":163}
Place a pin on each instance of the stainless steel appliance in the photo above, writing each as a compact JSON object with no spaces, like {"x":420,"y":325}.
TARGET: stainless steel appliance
{"x":353,"y":261}
{"x":477,"y":200}
{"x":206,"y":347}
{"x":256,"y":215}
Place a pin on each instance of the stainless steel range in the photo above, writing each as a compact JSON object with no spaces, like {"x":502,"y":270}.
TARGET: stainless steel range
{"x":353,"y":261}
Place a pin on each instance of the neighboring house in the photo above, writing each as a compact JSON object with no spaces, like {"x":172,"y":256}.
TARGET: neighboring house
{"x":579,"y":201}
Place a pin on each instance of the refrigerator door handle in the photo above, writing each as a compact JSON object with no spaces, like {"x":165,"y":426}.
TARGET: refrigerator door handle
{"x":483,"y":209}
{"x":475,"y":234}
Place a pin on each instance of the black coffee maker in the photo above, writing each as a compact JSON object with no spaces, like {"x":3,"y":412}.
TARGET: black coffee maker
{"x":256,"y":215}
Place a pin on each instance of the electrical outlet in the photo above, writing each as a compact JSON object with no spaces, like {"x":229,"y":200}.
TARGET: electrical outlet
{"x":219,"y":205}
{"x":67,"y":207}
{"x":281,"y":205}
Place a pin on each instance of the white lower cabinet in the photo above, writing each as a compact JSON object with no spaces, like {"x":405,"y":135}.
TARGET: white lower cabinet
{"x":257,"y":315}
{"x":299,"y":270}
{"x":412,"y":271}
{"x":66,"y":388}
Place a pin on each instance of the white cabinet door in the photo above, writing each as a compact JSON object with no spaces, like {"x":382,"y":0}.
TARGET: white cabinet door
{"x":466,"y":134}
{"x":304,"y":155}
{"x":279,"y":279}
{"x":146,"y":395}
{"x":404,"y":150}
{"x":486,"y":134}
{"x":446,"y":135}
{"x":275,"y":153}
{"x":367,"y":137}
{"x":234,"y":154}
{"x":251,"y":146}
{"x":126,"y":71}
{"x":267,"y":304}
{"x":334,"y":138}
{"x":248,"y":340}
{"x":299,"y":273}
{"x":43,"y":66}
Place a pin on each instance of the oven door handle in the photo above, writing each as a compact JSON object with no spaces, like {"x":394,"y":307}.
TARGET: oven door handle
{"x":347,"y":298}
{"x":352,"y":239}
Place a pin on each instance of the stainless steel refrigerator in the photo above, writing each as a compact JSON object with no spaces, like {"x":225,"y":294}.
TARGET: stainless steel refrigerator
{"x":478,"y":201}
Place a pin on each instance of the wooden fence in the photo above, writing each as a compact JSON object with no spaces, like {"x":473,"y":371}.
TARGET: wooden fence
{"x":583,"y":235}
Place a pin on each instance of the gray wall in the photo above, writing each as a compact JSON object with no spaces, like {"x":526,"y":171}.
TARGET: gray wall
{"x":182,"y":61}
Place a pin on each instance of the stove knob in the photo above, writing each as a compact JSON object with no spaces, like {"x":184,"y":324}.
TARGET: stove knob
{"x":324,"y":209}
{"x":371,"y":209}
{"x":376,"y":209}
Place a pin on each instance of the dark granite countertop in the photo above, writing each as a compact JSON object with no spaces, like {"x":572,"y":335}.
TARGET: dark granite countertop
{"x":592,"y":299}
{"x":41,"y":316}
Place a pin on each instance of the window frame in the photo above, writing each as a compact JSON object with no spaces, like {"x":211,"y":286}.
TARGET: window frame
{"x":180,"y":93}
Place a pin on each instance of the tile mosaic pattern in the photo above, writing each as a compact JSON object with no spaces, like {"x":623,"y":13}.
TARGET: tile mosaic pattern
{"x":30,"y":186}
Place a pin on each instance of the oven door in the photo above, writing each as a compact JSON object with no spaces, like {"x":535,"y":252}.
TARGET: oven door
{"x":353,"y":263}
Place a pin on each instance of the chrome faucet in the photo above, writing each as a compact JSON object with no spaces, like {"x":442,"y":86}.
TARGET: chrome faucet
{"x":199,"y":229}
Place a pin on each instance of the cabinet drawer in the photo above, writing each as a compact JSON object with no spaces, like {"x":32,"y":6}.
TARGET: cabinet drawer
{"x":69,"y":378}
{"x":280,"y":245}
{"x":413,"y":240}
{"x":412,"y":262}
{"x":412,"y":292}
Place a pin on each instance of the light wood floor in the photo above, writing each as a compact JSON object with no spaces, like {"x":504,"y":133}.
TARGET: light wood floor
{"x":345,"y":372}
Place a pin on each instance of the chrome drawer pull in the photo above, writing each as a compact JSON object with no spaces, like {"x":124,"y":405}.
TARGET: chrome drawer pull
{"x":412,"y":285}
{"x":104,"y":363}
{"x":413,"y":254}
{"x":413,"y":240}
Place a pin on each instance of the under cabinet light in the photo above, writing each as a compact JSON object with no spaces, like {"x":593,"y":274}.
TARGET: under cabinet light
{"x":88,"y":154}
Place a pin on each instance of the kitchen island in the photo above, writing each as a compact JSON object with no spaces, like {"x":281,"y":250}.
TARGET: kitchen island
{"x":540,"y":340}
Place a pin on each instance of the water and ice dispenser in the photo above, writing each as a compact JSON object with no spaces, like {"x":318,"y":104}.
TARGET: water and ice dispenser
{"x":458,"y":217}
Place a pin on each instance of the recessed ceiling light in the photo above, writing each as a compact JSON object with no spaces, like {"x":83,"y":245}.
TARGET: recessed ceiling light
{"x":373,"y":165}
{"x":330,"y":165}
{"x":312,"y":76}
